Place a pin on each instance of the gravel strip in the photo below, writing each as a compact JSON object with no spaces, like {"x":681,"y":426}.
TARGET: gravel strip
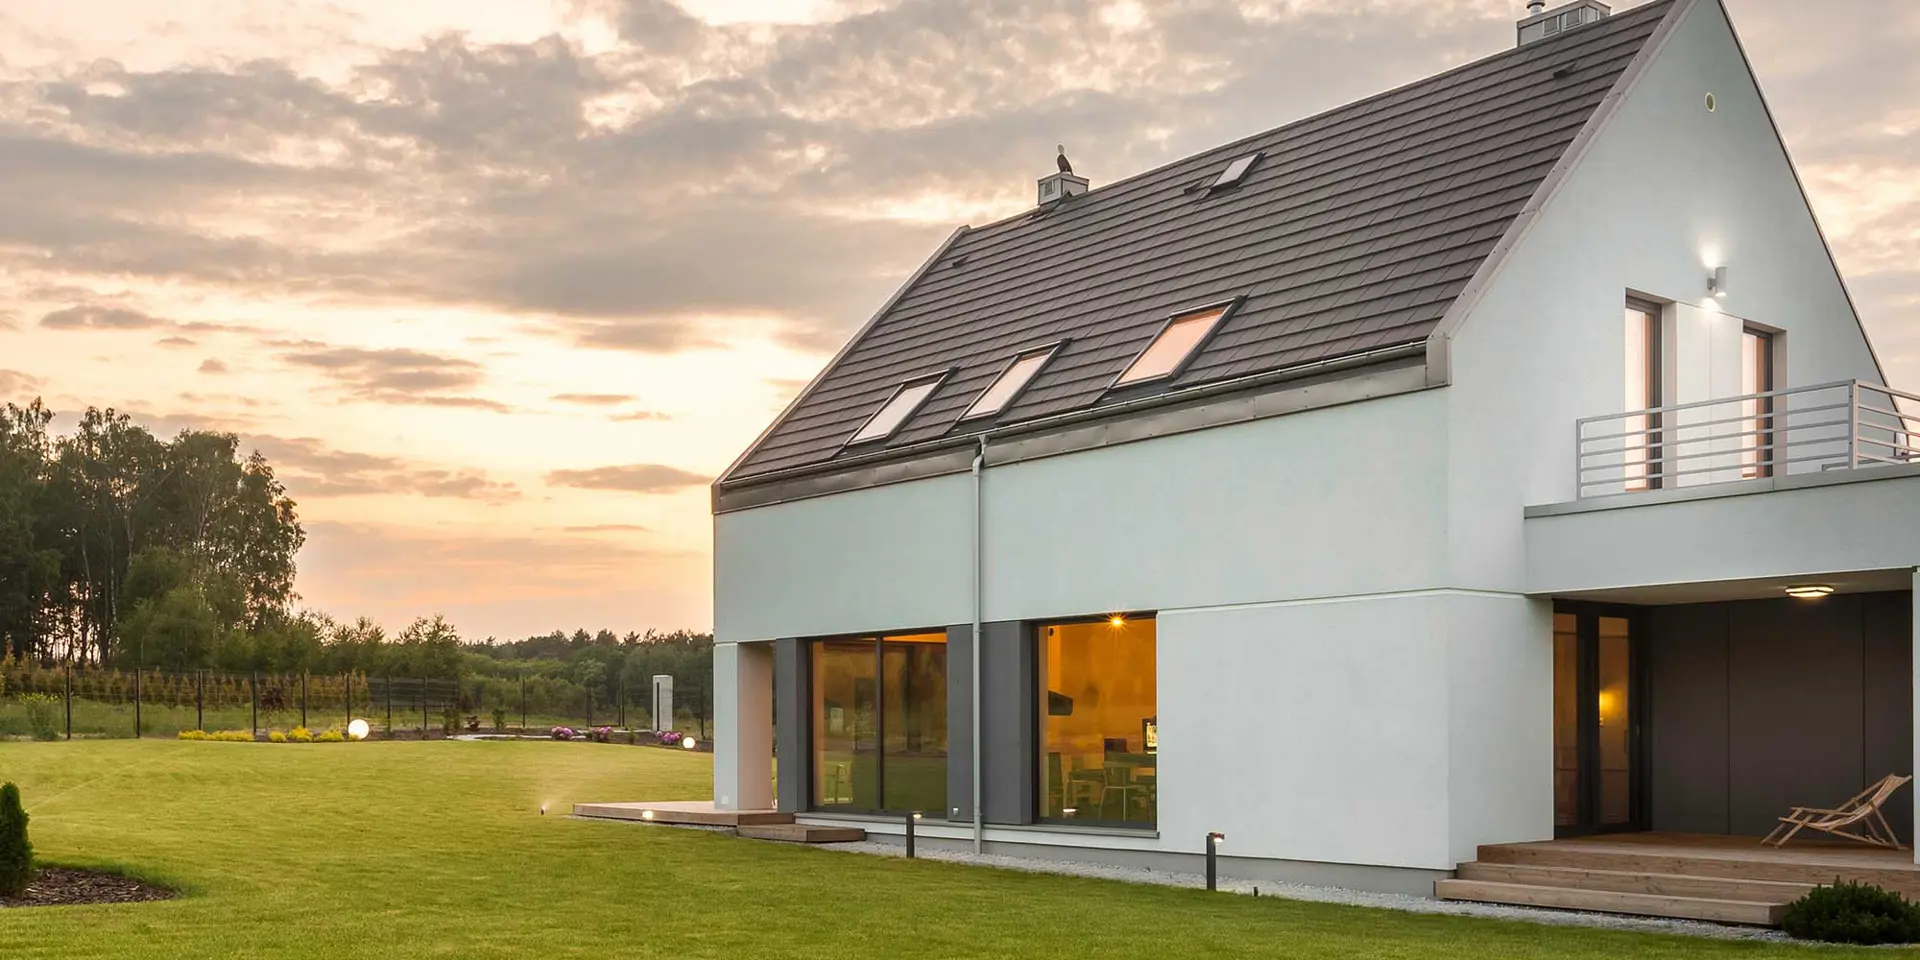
{"x":1295,"y":891}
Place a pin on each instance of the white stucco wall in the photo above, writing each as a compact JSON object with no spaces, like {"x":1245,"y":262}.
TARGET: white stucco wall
{"x":887,"y":558}
{"x":1317,"y":504}
{"x":1666,"y":190}
{"x":1310,"y":731}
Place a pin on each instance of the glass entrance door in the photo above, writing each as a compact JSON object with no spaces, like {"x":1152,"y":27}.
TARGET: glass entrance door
{"x":1596,"y":723}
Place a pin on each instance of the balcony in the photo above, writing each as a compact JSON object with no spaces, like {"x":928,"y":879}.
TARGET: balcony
{"x":1844,"y":425}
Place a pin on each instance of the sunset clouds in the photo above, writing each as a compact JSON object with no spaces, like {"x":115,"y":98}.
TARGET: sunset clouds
{"x":501,"y":285}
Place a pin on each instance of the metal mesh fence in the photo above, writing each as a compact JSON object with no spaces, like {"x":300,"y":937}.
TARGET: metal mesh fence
{"x":55,"y":701}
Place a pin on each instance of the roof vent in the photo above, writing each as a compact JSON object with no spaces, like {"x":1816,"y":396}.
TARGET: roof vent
{"x":1059,"y":186}
{"x":1541,"y":23}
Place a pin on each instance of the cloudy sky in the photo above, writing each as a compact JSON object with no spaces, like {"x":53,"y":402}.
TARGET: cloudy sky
{"x":499,"y":285}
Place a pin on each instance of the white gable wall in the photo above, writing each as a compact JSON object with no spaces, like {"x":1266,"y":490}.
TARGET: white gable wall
{"x":1664,"y":192}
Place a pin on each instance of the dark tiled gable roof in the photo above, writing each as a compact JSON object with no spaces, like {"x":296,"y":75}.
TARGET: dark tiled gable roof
{"x":1356,"y":231}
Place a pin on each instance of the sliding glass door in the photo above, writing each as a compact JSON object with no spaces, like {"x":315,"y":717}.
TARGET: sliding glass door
{"x":880,"y":724}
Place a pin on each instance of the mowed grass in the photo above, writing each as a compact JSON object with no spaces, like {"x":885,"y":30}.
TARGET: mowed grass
{"x":439,"y":850}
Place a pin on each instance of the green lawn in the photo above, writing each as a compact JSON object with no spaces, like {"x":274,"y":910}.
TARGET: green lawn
{"x":438,"y":850}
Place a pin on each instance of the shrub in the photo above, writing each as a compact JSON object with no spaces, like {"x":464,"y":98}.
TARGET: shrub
{"x":450,"y":720}
{"x":43,"y":715}
{"x":16,"y":853}
{"x":300,"y":735}
{"x":330,"y":736}
{"x":602,"y":734}
{"x":275,"y":736}
{"x":232,"y":736}
{"x":670,"y":738}
{"x":499,"y":719}
{"x":1853,"y":913}
{"x":193,"y":735}
{"x":563,"y":733}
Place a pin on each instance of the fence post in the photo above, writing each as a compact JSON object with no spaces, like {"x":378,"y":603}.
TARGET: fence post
{"x":253,"y":693}
{"x":69,"y":697}
{"x":136,"y":702}
{"x":348,"y":679}
{"x":303,"y":698}
{"x":199,"y":700}
{"x":389,"y":704}
{"x":523,"y":700}
{"x":623,"y":701}
{"x":423,"y":708}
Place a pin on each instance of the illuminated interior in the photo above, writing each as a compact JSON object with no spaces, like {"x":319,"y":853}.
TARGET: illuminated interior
{"x":880,"y":724}
{"x":1099,"y":730}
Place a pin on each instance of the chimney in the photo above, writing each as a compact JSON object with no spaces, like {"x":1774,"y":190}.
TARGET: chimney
{"x":1540,"y":23}
{"x":1059,"y":186}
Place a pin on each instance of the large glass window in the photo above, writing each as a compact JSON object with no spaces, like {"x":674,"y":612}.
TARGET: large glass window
{"x":1099,"y":730}
{"x":880,"y":724}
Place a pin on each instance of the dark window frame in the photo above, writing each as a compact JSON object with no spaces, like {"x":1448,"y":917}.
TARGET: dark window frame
{"x":1656,"y":388}
{"x":1051,"y":351}
{"x":1767,"y":377}
{"x":809,"y":722}
{"x":1039,"y":730}
{"x":1228,"y":308}
{"x":1587,"y":616}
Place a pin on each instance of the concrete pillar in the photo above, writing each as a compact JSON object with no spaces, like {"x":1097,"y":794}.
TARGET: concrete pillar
{"x":743,"y":726}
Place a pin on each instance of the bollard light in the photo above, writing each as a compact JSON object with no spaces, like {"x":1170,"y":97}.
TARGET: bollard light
{"x":646,"y":814}
{"x":1213,"y":844}
{"x":689,"y":743}
{"x":358,"y":729}
{"x":912,"y":819}
{"x":543,"y":809}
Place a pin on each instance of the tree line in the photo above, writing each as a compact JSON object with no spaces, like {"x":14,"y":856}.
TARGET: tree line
{"x":122,"y":549}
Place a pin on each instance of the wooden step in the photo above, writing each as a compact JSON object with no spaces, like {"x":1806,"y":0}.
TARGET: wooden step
{"x":1620,"y":881}
{"x":803,"y":833}
{"x":1610,"y":901}
{"x":1809,"y":866}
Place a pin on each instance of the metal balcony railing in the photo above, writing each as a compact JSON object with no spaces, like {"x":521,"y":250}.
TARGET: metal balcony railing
{"x":1833,"y":426}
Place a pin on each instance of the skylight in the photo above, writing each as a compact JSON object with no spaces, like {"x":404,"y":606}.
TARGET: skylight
{"x":1176,"y":344}
{"x":1001,"y":393}
{"x":1235,"y":172}
{"x":905,"y":401}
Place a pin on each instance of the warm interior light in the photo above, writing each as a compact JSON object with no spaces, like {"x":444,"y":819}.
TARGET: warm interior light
{"x":358,"y":729}
{"x":1116,"y":621}
{"x":1811,"y":591}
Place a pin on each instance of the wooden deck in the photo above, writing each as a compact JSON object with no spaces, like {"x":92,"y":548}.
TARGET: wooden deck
{"x":753,"y":824}
{"x":1723,"y":879}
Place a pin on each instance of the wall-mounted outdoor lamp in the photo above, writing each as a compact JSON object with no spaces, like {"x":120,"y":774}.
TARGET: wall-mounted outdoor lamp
{"x":1213,"y":844}
{"x":1717,"y":284}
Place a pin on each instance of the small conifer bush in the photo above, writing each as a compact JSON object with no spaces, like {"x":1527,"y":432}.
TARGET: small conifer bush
{"x":16,"y":854}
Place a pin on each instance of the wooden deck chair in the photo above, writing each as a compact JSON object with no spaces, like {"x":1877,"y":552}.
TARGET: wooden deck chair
{"x":1857,"y":819}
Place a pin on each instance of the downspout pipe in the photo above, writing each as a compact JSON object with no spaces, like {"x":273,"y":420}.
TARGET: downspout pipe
{"x":979,"y":589}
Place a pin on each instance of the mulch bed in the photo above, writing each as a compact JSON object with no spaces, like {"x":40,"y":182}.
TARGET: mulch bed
{"x":61,"y":886}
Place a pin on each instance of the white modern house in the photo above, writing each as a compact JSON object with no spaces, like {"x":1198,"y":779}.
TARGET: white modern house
{"x":1496,"y":459}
